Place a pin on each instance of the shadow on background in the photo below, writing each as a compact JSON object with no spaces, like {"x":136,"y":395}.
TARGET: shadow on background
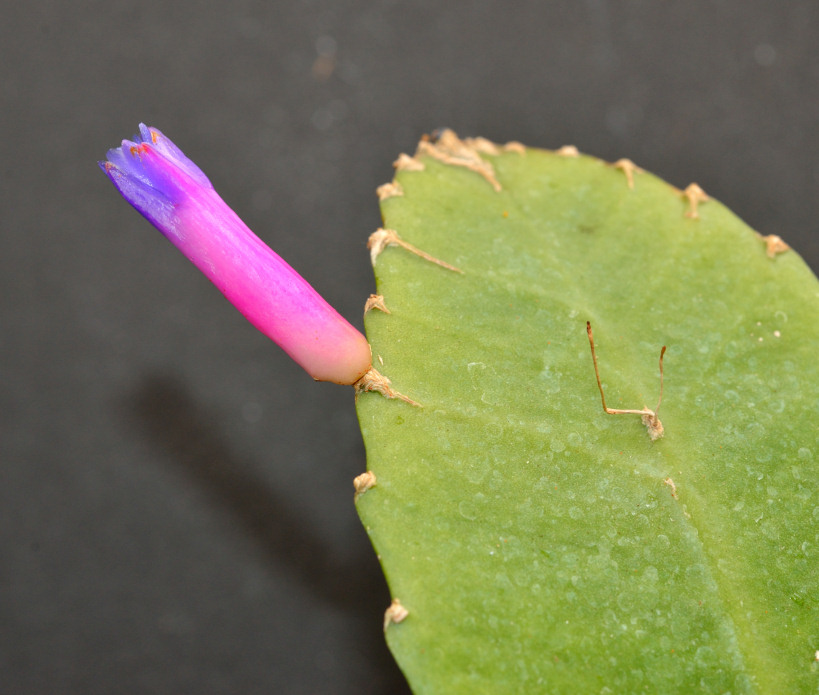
{"x":191,"y":436}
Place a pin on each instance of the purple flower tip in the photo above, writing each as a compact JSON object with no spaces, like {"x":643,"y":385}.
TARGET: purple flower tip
{"x":172,"y":193}
{"x":146,"y":181}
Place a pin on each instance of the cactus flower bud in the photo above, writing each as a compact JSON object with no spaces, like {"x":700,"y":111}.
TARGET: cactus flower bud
{"x":172,"y":193}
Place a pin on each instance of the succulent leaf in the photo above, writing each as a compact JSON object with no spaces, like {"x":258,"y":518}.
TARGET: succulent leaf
{"x":537,"y":543}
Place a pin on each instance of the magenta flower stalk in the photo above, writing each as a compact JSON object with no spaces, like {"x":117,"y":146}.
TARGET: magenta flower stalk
{"x":172,"y":193}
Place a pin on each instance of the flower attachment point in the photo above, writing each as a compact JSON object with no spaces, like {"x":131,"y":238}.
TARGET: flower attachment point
{"x":373,"y":380}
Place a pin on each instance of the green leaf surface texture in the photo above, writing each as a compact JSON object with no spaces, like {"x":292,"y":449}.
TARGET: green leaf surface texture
{"x":539,"y":544}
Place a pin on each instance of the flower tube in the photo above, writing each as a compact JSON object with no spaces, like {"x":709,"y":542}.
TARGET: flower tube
{"x":172,"y":193}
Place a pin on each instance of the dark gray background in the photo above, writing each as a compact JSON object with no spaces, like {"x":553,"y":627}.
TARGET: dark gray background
{"x":176,"y":510}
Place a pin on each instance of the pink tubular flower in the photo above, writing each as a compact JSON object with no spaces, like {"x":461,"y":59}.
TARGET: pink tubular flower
{"x":172,"y":193}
